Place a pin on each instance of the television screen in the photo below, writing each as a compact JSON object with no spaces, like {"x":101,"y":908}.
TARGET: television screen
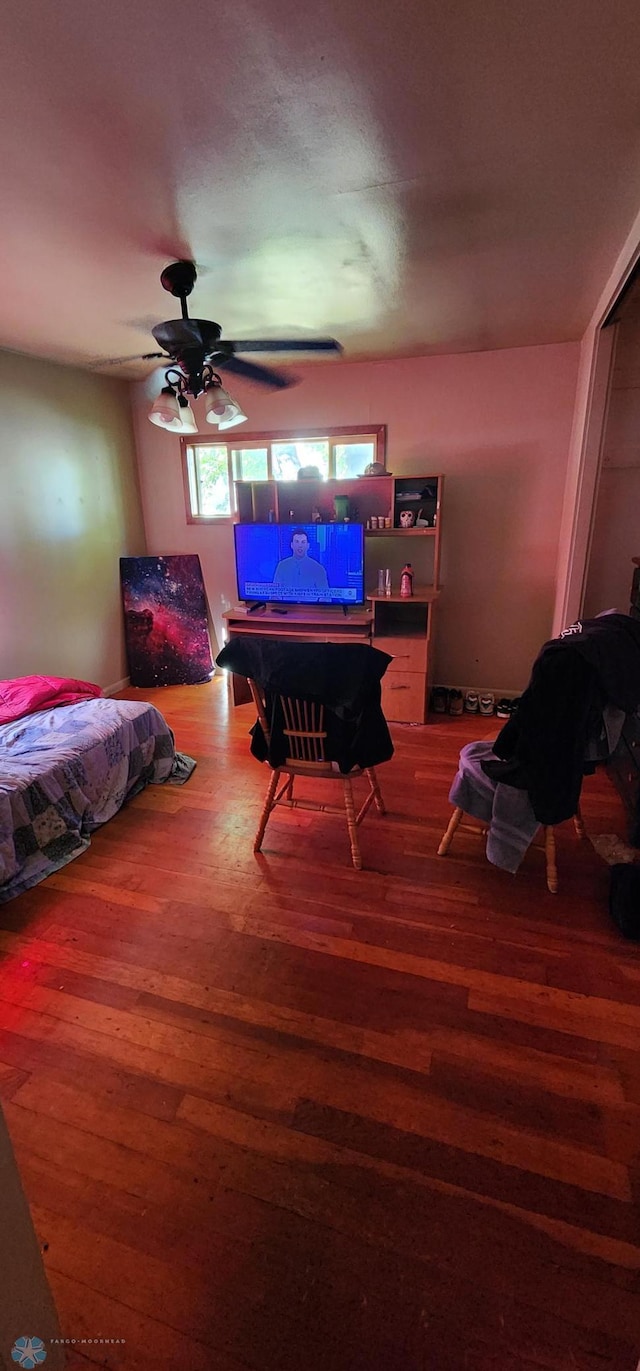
{"x":300,"y":564}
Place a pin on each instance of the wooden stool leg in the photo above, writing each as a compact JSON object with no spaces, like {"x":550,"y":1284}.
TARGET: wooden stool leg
{"x":578,"y":823}
{"x":351,"y":823}
{"x":445,"y":841}
{"x":268,"y":806}
{"x":550,"y":854}
{"x":289,"y":790}
{"x":377,"y":797}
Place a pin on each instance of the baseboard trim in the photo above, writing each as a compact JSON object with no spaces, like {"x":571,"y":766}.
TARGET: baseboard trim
{"x":119,"y":685}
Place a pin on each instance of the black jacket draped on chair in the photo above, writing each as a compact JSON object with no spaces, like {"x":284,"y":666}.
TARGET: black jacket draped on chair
{"x":344,"y":677}
{"x":542,"y":747}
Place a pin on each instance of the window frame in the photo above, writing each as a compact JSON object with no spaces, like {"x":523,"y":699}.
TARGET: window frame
{"x":334,"y":434}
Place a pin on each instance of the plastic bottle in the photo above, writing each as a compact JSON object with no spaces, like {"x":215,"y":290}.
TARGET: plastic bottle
{"x":406,"y":581}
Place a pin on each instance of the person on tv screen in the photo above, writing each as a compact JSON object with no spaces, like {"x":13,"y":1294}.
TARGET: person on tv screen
{"x":300,"y":571}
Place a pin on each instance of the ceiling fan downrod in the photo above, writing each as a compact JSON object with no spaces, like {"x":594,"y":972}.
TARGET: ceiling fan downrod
{"x":179,"y":278}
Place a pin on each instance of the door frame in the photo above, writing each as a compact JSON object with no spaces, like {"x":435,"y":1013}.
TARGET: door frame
{"x":585,"y":447}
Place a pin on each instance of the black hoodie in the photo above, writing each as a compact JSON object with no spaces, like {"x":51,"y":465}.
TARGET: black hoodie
{"x":344,"y":677}
{"x":543,"y":745}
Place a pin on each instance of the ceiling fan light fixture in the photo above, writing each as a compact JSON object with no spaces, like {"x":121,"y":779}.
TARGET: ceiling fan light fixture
{"x":165,"y":411}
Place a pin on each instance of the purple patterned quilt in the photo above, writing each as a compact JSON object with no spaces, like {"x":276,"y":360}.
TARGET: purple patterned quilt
{"x":65,"y":771}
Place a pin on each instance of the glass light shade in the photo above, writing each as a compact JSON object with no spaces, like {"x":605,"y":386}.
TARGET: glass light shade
{"x":165,"y":411}
{"x":219,"y":406}
{"x":187,"y":418}
{"x":238,"y":418}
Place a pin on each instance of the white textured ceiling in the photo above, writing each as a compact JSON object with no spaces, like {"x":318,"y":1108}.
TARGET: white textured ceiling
{"x":413,"y":177}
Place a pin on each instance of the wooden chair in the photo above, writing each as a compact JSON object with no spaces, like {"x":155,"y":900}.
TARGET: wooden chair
{"x":306,"y":734}
{"x":549,"y":839}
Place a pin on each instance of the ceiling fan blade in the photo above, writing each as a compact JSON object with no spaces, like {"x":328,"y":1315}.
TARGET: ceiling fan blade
{"x":277,"y":379}
{"x":119,"y":361}
{"x":286,"y":345}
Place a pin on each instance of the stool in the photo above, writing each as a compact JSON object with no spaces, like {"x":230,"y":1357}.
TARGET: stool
{"x":549,"y":840}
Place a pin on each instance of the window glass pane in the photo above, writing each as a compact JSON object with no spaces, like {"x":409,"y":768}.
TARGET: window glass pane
{"x":352,"y":458}
{"x":289,"y":457}
{"x":250,"y":464}
{"x":212,"y":475}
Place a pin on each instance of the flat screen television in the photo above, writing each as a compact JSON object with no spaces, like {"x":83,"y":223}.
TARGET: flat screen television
{"x":300,"y":564}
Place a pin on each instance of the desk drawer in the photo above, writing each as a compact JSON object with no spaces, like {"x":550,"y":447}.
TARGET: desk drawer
{"x":409,"y":652}
{"x":404,"y":697}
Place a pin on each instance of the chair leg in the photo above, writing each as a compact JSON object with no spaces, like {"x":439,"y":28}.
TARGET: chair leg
{"x":446,"y":840}
{"x":268,"y":806}
{"x":377,"y":796}
{"x":289,"y":790}
{"x":550,"y":854}
{"x":351,"y":823}
{"x":578,"y":823}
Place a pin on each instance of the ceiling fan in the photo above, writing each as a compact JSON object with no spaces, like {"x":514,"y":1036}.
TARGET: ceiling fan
{"x":196,"y":353}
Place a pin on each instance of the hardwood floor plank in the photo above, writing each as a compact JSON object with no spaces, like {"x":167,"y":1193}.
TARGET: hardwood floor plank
{"x":431,"y":1120}
{"x":148,"y":1341}
{"x":555,"y":1073}
{"x":540,"y":1013}
{"x":154,"y":1065}
{"x":97,"y":1074}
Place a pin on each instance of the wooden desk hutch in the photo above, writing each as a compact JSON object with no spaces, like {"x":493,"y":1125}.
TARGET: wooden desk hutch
{"x":402,"y":627}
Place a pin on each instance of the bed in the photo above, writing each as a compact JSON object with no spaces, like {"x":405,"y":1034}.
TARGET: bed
{"x":66,"y":770}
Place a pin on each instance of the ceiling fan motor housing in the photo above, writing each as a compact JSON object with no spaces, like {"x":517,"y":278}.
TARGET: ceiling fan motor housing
{"x":178,"y":335}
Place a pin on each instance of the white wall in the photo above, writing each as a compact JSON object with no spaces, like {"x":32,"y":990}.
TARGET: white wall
{"x":69,"y":508}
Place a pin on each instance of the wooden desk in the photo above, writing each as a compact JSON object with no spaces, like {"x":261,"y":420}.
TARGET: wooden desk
{"x":323,"y":625}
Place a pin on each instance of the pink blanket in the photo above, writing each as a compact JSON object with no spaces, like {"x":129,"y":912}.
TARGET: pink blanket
{"x":28,"y":694}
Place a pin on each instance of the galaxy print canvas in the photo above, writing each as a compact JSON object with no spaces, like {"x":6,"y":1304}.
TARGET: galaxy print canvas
{"x":165,"y":620}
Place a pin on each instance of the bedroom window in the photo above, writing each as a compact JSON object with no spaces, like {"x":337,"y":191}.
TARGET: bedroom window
{"x":211,"y":468}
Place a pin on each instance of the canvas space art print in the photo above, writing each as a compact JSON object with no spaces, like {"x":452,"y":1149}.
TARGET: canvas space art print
{"x":165,"y":618}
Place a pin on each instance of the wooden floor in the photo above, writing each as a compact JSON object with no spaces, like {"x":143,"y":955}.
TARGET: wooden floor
{"x":273,"y":1113}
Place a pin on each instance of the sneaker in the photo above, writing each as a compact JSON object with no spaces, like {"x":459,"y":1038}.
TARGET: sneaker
{"x":471,"y":702}
{"x":503,"y":709}
{"x":456,"y":702}
{"x":487,"y":703}
{"x":439,"y":698}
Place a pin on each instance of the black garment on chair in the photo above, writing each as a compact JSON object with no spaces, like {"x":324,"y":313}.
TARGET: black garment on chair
{"x":344,"y":677}
{"x":543,"y":745}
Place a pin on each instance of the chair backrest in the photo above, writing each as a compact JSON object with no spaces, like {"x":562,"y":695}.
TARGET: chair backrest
{"x":303,"y":728}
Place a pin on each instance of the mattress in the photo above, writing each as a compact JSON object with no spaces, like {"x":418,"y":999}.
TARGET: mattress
{"x":66,"y":771}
